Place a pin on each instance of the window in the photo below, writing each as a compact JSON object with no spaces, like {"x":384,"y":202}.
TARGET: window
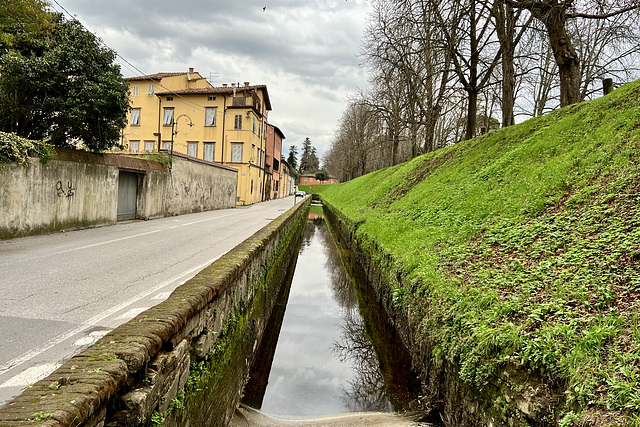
{"x":276,"y":164}
{"x":151,"y":90}
{"x":254,"y":125}
{"x":209,"y":151}
{"x":135,"y":117}
{"x":236,"y":152}
{"x":134,"y":146}
{"x":134,"y":90}
{"x":166,"y":145}
{"x":168,"y":117}
{"x":209,"y":116}
{"x":192,"y":149}
{"x":237,"y":125}
{"x":212,"y":98}
{"x":253,"y":159}
{"x":277,"y":182}
{"x":169,"y":98}
{"x":149,"y":145}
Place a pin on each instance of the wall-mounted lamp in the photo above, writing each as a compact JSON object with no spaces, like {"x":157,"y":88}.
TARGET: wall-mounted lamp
{"x":174,"y":131}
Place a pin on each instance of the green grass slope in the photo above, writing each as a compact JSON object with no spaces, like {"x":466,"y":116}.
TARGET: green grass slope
{"x":523,"y":246}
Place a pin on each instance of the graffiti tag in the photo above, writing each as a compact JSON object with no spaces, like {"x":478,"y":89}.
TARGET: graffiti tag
{"x":68,"y":192}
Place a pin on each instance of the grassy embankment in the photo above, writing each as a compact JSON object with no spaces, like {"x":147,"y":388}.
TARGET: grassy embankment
{"x":523,"y":246}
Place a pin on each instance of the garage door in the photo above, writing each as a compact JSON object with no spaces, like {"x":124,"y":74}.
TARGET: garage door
{"x":127,"y":195}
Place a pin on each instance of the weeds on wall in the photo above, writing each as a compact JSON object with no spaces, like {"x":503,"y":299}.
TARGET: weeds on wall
{"x":15,"y":149}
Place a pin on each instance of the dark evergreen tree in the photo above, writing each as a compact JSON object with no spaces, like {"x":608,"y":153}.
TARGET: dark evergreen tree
{"x":322,"y":175}
{"x":57,"y":81}
{"x":306,"y":153}
{"x":314,"y":162}
{"x":292,"y":159}
{"x":309,"y":162}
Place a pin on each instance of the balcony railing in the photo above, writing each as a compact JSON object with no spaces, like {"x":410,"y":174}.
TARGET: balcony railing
{"x":245,"y":101}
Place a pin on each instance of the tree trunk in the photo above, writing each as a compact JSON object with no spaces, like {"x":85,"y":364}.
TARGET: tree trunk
{"x":472,"y":87}
{"x":565,"y":56}
{"x":472,"y":114}
{"x":508,"y":89}
{"x":395,"y":143}
{"x":505,"y":28}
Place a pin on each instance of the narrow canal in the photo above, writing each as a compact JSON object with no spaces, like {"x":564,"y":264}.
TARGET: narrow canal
{"x":324,"y":361}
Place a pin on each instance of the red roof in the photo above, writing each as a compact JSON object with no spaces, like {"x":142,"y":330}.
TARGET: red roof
{"x":213,"y":90}
{"x":156,"y":76}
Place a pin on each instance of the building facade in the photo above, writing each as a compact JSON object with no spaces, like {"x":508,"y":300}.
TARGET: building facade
{"x":183,"y":112}
{"x":310,"y":179}
{"x":287,"y":182}
{"x":274,"y":160}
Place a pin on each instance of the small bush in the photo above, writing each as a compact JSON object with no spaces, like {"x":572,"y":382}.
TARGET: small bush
{"x":15,"y":149}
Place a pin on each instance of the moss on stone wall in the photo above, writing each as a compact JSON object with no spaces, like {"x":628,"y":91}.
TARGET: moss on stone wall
{"x":224,"y":370}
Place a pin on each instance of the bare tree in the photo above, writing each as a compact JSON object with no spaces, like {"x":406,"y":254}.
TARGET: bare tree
{"x":608,"y":48}
{"x":509,"y":34}
{"x":555,"y":15}
{"x":354,"y":149}
{"x":411,"y":72}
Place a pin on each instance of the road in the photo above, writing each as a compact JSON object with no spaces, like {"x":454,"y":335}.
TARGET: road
{"x":62,"y":292}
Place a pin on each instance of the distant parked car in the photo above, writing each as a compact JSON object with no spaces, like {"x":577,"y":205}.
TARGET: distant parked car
{"x":301,"y":194}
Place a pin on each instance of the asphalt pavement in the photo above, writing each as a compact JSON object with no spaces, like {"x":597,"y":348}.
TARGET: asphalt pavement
{"x":62,"y":292}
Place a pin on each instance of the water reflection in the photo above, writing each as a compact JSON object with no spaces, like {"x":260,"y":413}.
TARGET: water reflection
{"x":324,"y":362}
{"x":382,"y":376}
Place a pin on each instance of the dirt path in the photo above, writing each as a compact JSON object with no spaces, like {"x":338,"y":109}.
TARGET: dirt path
{"x":247,"y":417}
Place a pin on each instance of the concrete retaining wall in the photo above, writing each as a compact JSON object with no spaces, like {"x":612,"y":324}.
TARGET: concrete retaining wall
{"x":78,"y":189}
{"x":183,"y":362}
{"x":196,"y":186}
{"x":71,"y":191}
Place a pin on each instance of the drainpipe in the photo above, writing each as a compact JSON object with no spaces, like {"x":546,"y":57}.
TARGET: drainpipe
{"x":159,"y":121}
{"x":274,"y":153}
{"x":264,"y":165}
{"x":224,"y":129}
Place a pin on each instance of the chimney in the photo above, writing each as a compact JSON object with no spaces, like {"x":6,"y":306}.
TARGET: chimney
{"x":233,"y":85}
{"x":224,"y":85}
{"x":246,"y":84}
{"x":190,"y":70}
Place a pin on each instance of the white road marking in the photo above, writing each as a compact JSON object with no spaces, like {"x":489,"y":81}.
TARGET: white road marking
{"x":91,"y":338}
{"x":31,"y":375}
{"x":93,"y":245}
{"x":207,"y":219}
{"x":98,"y":318}
{"x":162,"y":295}
{"x":125,"y":317}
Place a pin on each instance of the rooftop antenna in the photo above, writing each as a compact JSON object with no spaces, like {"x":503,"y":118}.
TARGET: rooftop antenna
{"x":214,"y":78}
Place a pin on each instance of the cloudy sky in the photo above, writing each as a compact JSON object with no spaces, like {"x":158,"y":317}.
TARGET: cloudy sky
{"x":305,"y":51}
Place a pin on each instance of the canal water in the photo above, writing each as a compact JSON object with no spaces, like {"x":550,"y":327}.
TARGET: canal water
{"x":324,"y":360}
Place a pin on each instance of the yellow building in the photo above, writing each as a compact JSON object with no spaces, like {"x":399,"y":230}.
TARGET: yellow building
{"x":225,"y":125}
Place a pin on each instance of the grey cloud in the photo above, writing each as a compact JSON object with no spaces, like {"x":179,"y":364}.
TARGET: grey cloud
{"x":311,"y":46}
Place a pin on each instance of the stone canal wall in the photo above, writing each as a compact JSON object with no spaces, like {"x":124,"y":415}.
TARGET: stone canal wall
{"x":183,"y":362}
{"x":515,"y":397}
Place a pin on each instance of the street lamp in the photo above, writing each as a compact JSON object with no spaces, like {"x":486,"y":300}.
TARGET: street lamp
{"x":174,"y":131}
